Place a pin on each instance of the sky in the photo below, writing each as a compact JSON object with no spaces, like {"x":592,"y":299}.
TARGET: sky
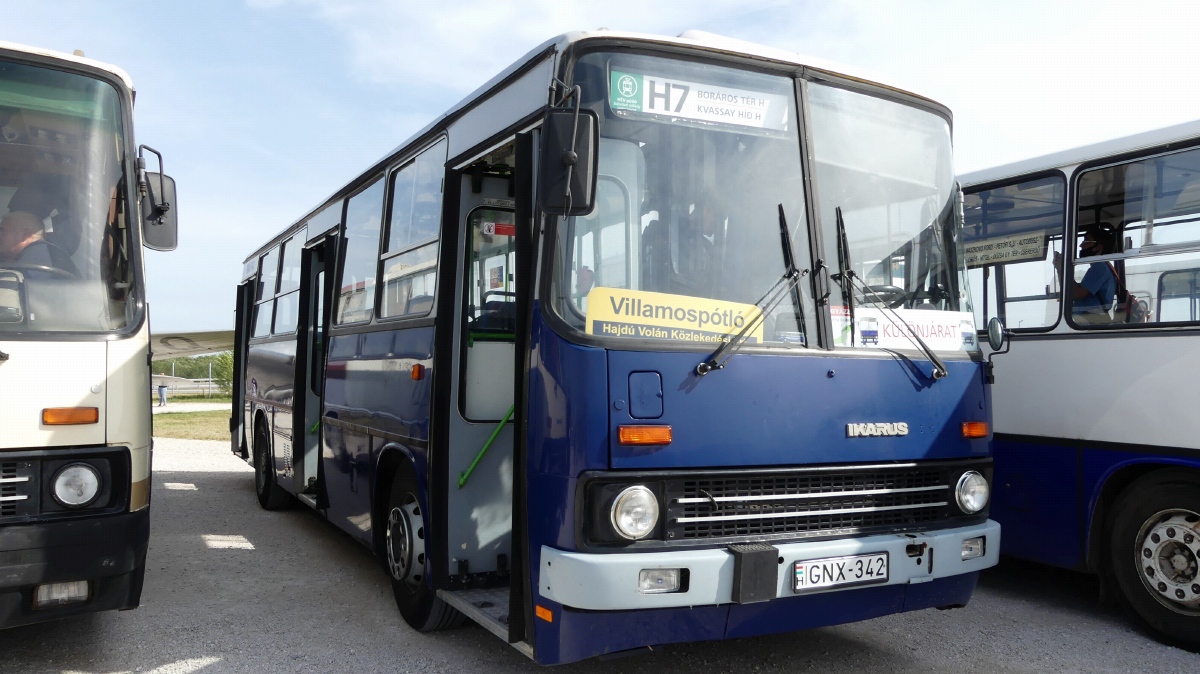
{"x":263,"y":108}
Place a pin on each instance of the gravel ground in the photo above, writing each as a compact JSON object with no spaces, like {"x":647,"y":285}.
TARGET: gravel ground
{"x":232,"y":588}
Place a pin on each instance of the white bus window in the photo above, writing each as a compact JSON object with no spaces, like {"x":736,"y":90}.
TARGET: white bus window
{"x":356,"y":295}
{"x":1141,"y":221}
{"x":1012,"y":236}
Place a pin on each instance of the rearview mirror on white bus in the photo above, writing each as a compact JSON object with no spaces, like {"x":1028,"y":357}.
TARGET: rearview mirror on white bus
{"x":160,"y":219}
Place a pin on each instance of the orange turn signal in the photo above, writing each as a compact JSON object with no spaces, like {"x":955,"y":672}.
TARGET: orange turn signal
{"x":544,"y":613}
{"x":975,"y":429}
{"x":418,"y":372}
{"x":644,"y":435}
{"x":69,"y":416}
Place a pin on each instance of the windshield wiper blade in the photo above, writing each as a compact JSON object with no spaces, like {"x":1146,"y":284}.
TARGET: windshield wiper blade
{"x":939,"y":368}
{"x":766,"y":303}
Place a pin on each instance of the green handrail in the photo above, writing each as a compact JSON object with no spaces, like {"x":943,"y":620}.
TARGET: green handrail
{"x":463,"y":477}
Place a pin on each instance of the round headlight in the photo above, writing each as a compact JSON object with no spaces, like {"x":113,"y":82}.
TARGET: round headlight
{"x":634,"y":512}
{"x":972,"y":492}
{"x":76,"y":485}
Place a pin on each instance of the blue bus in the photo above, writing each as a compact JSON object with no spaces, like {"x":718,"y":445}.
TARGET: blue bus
{"x":1091,"y":257}
{"x":577,"y":360}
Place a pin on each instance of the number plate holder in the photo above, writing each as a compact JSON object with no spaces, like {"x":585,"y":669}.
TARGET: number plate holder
{"x":816,"y":575}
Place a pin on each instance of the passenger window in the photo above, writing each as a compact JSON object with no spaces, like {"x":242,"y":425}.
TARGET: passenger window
{"x":1137,"y":226}
{"x":356,"y":294}
{"x":262,"y":318}
{"x":601,"y":253}
{"x":268,"y":275}
{"x":287,"y":304}
{"x":410,"y":258}
{"x":1012,"y":237}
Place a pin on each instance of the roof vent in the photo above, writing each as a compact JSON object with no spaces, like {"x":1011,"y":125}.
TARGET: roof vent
{"x":79,"y":52}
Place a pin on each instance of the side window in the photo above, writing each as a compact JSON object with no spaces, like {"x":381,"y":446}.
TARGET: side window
{"x":264,"y":296}
{"x":410,"y":256}
{"x":356,"y":292}
{"x":1137,"y":230}
{"x":287,"y":303}
{"x":600,"y":251}
{"x":1012,"y":239}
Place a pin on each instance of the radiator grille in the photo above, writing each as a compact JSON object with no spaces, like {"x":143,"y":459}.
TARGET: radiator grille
{"x":16,"y":488}
{"x":805,"y":503}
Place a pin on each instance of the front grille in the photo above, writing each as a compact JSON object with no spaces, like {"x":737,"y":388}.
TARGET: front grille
{"x":806,"y":503}
{"x":18,"y":488}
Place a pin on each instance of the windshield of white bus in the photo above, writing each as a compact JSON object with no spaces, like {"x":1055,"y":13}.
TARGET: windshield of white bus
{"x":890,"y":214}
{"x":695,"y":162}
{"x":65,"y":257}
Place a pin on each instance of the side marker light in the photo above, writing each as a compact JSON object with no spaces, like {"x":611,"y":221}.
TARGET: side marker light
{"x":69,"y":416}
{"x":544,"y":613}
{"x":975,"y":429}
{"x":644,"y":435}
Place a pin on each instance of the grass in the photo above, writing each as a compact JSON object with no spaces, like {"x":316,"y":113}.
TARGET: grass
{"x":173,"y":398}
{"x":193,"y":425}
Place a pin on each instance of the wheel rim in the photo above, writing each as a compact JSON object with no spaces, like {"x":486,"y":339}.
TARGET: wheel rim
{"x":406,"y":543}
{"x":1168,"y":558}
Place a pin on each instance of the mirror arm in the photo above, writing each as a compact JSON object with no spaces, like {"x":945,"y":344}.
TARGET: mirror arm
{"x":160,"y":209}
{"x":991,"y":377}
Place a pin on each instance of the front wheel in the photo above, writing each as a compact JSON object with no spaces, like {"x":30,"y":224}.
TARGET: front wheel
{"x":405,"y":540}
{"x":1154,"y":558}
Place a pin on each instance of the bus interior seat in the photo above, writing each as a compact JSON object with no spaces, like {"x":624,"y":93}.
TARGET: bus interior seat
{"x":497,"y":316}
{"x":420,"y":304}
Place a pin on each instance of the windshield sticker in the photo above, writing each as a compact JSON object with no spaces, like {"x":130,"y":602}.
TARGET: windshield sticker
{"x":615,"y":312}
{"x":1001,"y":249}
{"x":650,"y":94}
{"x":870,"y":327}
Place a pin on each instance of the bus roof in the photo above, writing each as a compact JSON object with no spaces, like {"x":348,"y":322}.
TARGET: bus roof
{"x":81,"y":60}
{"x":1079,"y":155}
{"x":702,"y":40}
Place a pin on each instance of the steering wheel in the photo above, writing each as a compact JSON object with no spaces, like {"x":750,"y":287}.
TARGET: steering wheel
{"x":26,"y":266}
{"x":884,"y":293}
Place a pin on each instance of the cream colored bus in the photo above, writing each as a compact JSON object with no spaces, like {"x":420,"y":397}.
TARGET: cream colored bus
{"x":76,"y":205}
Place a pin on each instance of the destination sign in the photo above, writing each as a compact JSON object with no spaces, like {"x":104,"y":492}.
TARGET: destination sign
{"x":1001,"y":249}
{"x":615,"y":312}
{"x":650,"y":94}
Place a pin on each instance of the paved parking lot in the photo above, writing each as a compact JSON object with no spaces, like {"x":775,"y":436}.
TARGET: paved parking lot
{"x":231,"y":588}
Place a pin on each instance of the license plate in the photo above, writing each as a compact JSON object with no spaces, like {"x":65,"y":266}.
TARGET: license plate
{"x":821,"y":574}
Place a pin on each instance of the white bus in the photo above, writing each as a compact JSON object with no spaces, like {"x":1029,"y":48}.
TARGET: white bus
{"x":75,"y":206}
{"x":1097,"y":439}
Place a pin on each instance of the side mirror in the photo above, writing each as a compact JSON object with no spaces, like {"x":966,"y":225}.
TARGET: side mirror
{"x":996,"y":333}
{"x":570,"y":140}
{"x":160,"y":220}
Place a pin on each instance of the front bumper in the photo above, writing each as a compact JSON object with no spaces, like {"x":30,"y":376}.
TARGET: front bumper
{"x":609,"y":582}
{"x":109,"y":551}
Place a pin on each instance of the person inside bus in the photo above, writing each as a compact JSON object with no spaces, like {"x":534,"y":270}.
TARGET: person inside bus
{"x":699,"y":258}
{"x":23,"y":241}
{"x":1092,"y":297}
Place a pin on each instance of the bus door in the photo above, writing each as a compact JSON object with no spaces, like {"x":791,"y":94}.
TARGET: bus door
{"x":243,"y":309}
{"x":479,"y":511}
{"x":316,"y":288}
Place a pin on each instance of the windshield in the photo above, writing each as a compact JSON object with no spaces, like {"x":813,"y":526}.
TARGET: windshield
{"x":695,"y":161}
{"x":65,"y":257}
{"x":890,"y":213}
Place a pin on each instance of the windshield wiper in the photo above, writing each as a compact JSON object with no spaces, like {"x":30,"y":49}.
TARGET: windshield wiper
{"x":766,"y":303}
{"x":939,"y":368}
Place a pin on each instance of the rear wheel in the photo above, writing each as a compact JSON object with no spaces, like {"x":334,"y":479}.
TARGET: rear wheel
{"x":407,"y":562}
{"x":270,"y":495}
{"x":1154,"y":558}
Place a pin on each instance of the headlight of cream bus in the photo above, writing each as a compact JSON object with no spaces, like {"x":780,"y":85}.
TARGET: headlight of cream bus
{"x":76,"y":485}
{"x":972,"y":492}
{"x":634,"y":512}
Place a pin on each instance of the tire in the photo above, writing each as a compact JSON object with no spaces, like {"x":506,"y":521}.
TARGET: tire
{"x":1154,"y":558}
{"x":270,"y":495}
{"x":407,"y":564}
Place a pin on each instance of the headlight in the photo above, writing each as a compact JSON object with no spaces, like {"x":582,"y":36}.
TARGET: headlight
{"x":634,"y":512}
{"x":972,"y":492}
{"x":76,"y":485}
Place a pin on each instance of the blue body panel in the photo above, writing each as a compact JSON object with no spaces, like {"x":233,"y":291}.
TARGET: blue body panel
{"x":760,"y":410}
{"x":1048,"y":493}
{"x":368,"y":385}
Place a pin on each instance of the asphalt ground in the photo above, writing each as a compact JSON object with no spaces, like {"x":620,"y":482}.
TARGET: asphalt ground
{"x":232,"y":588}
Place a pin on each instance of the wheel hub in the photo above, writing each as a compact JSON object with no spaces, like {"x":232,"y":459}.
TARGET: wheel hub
{"x":405,"y":542}
{"x":1168,"y":553}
